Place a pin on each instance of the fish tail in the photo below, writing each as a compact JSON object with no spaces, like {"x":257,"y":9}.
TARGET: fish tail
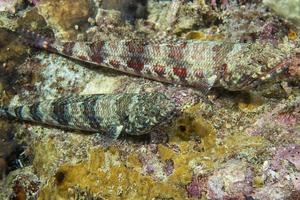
{"x":23,"y":113}
{"x":36,"y":40}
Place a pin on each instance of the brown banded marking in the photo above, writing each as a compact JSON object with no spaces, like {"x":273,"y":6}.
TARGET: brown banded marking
{"x":114,"y":63}
{"x":90,"y":113}
{"x":180,"y":72}
{"x":35,"y":112}
{"x":136,"y":63}
{"x":176,"y":51}
{"x":159,"y":69}
{"x":60,"y":112}
{"x":96,"y":51}
{"x":68,"y":48}
{"x":135,"y":54}
{"x":135,"y":48}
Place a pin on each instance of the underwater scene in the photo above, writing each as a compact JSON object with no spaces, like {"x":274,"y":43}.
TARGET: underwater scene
{"x":150,"y":99}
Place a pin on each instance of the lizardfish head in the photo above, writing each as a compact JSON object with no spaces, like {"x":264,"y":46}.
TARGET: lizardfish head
{"x":251,"y":65}
{"x":149,"y":112}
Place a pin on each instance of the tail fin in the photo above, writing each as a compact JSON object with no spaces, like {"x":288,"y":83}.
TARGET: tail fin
{"x":36,"y":40}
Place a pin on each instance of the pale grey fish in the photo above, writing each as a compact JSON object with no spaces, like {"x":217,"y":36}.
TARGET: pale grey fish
{"x":129,"y":113}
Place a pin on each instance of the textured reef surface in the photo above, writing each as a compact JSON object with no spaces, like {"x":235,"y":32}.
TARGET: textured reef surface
{"x":241,"y":144}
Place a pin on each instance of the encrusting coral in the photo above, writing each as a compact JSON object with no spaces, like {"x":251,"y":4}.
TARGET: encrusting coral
{"x":224,"y":145}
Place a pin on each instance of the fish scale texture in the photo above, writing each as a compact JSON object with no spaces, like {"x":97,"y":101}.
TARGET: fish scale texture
{"x":199,"y":64}
{"x":133,"y":114}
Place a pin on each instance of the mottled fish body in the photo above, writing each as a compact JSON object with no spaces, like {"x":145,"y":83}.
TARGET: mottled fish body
{"x":200,"y":64}
{"x":133,"y":114}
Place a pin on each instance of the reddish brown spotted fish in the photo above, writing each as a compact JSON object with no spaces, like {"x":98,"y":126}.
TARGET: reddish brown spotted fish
{"x":201,"y":64}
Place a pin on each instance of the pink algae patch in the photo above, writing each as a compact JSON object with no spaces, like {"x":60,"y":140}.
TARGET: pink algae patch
{"x":290,"y":153}
{"x":287,"y":119}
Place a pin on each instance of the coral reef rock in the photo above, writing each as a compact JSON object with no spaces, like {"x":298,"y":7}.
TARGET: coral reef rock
{"x":290,"y":9}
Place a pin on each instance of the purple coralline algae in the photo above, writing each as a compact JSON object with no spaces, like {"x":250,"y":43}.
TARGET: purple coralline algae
{"x":289,"y":153}
{"x":235,"y":178}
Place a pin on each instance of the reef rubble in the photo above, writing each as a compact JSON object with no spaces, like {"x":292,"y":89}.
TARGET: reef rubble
{"x":224,"y":145}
